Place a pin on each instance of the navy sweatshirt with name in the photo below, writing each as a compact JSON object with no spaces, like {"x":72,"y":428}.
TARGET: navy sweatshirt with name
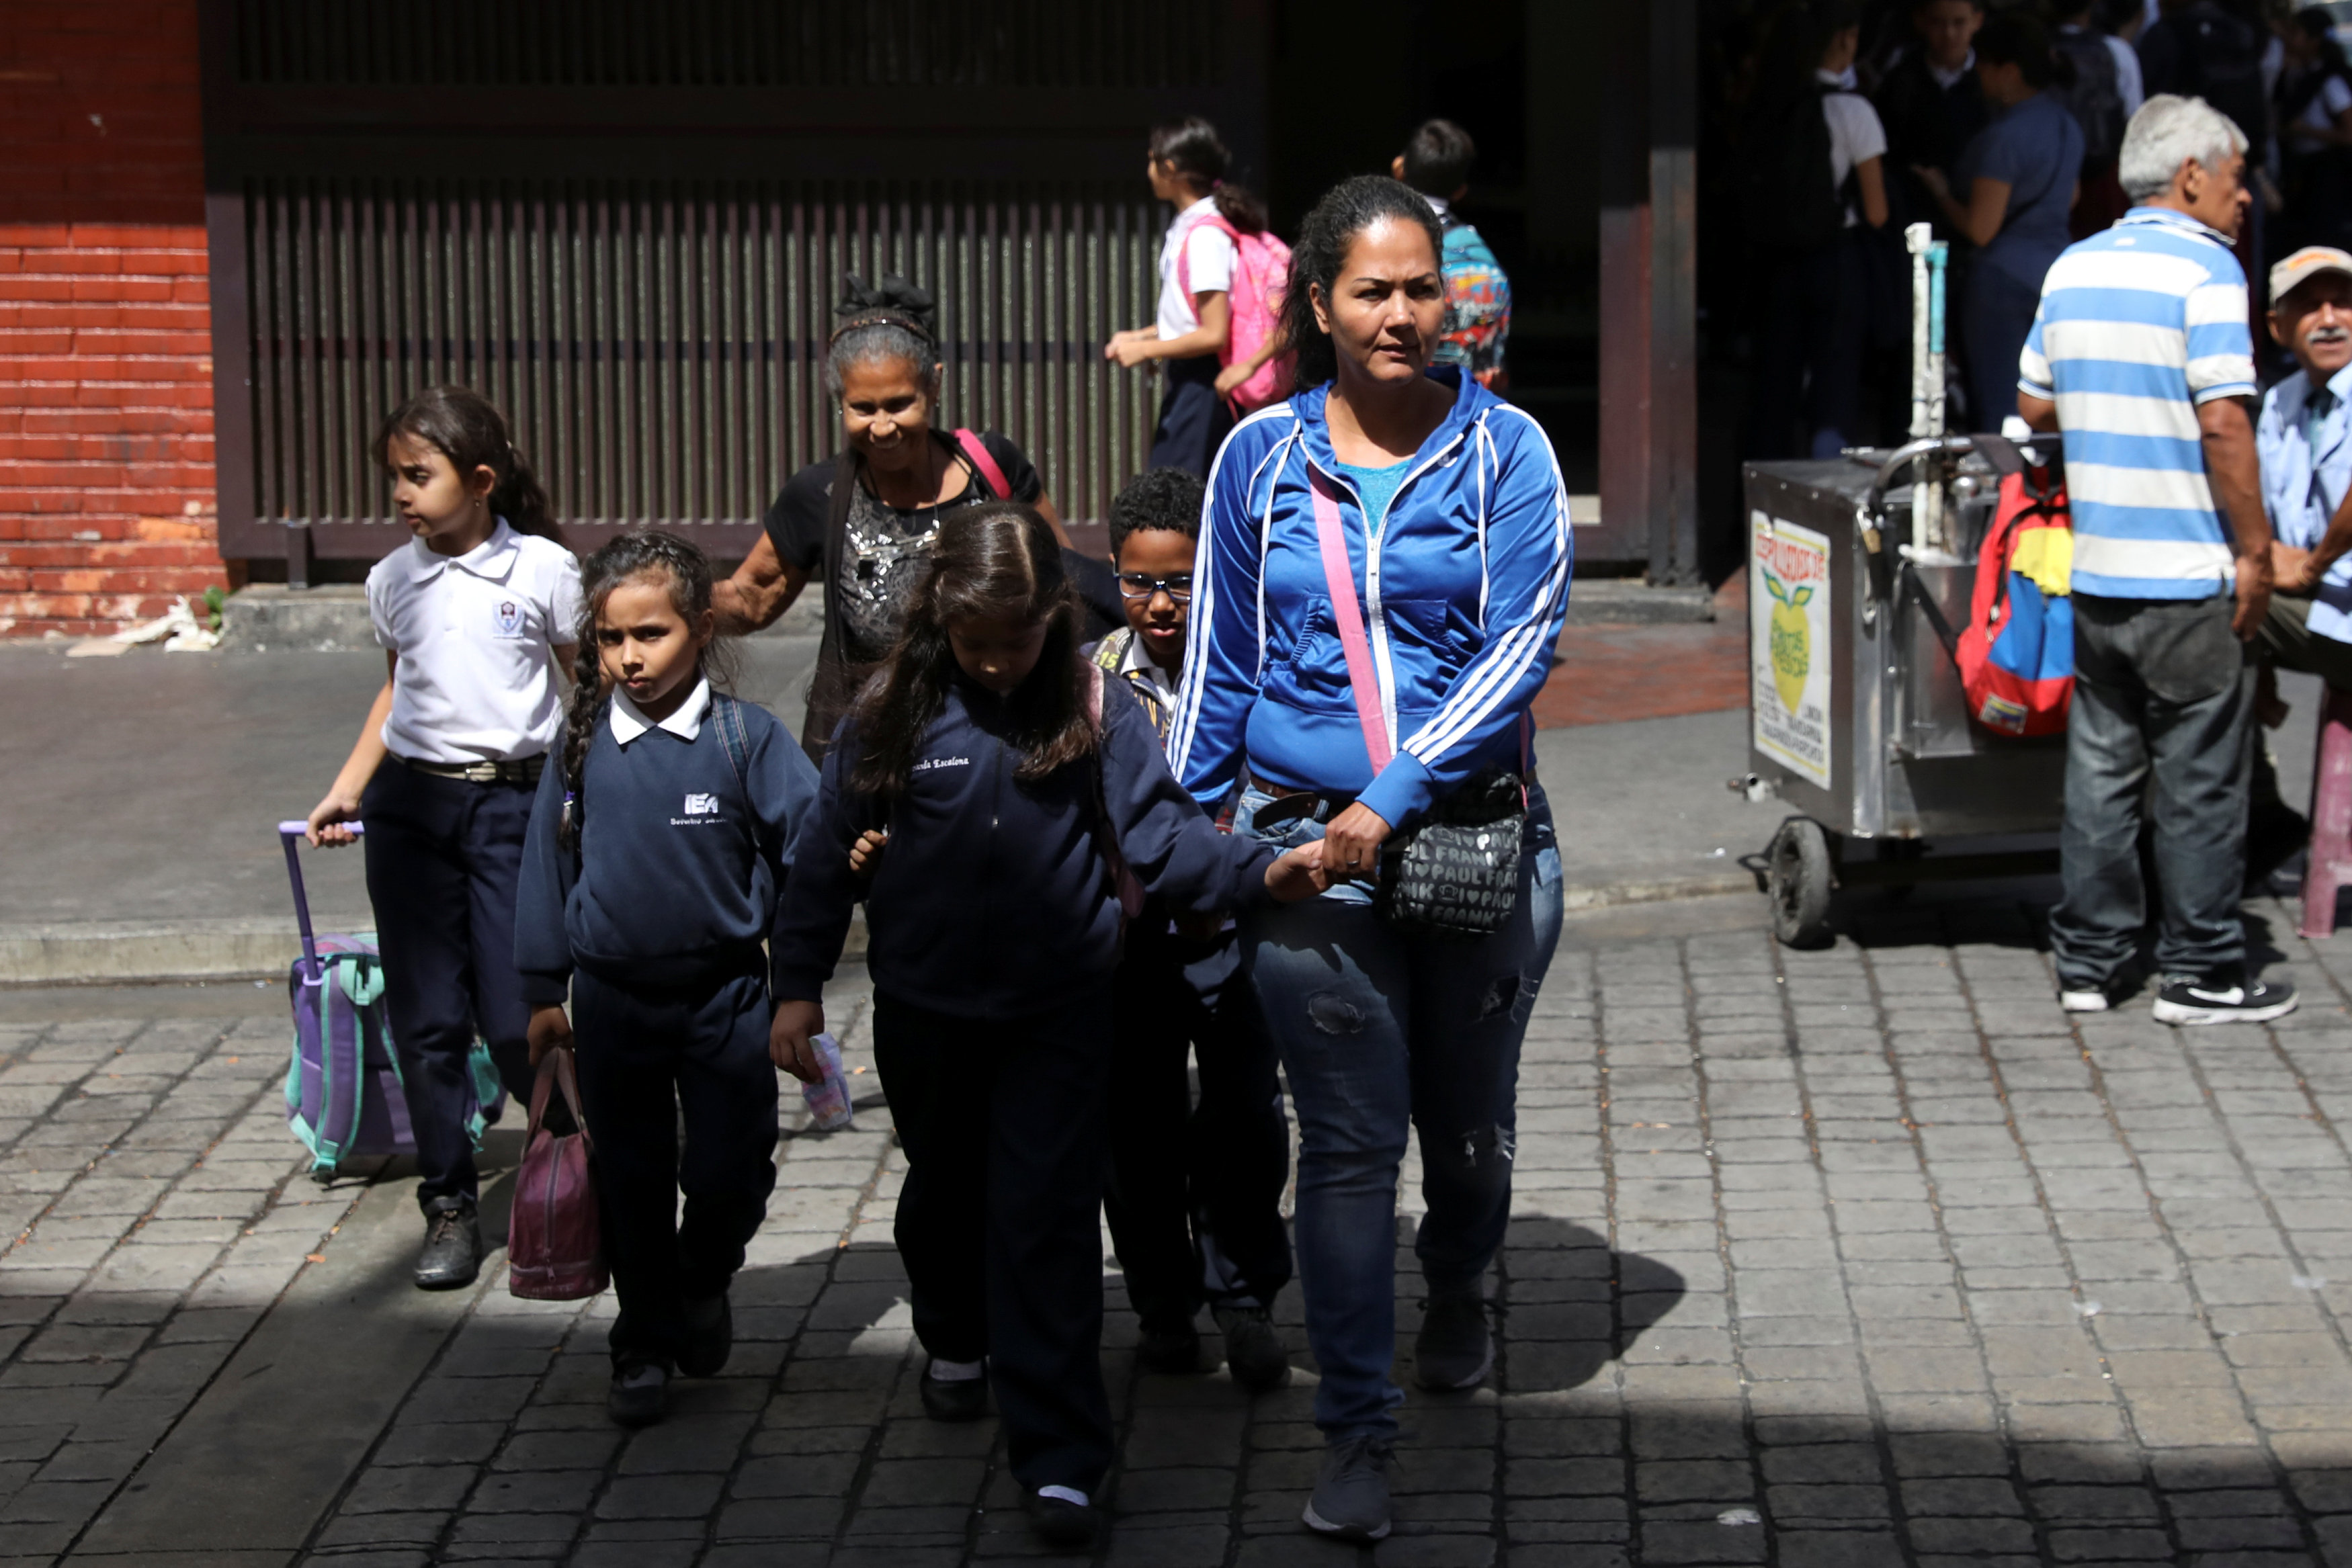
{"x":991,"y":899}
{"x":680,"y":865}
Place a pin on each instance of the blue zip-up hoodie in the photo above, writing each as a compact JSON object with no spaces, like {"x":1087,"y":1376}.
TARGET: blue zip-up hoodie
{"x":991,"y":899}
{"x":679,"y":867}
{"x":1463,"y":586}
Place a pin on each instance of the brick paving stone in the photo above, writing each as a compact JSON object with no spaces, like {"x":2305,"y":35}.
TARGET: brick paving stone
{"x":1860,"y":1256}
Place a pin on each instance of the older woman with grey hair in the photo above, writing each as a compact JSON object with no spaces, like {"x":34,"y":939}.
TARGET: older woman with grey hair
{"x":866,"y":517}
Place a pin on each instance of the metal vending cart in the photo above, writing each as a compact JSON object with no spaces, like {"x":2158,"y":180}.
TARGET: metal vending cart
{"x":1857,"y":714}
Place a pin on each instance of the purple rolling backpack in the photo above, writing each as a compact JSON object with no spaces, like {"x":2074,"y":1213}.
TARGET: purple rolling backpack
{"x":344,"y":1094}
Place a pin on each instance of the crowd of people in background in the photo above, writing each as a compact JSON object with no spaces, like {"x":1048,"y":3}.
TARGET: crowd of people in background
{"x":1999,"y":126}
{"x":1104,"y":818}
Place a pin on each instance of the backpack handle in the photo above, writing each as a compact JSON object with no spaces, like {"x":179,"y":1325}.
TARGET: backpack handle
{"x":290,"y":834}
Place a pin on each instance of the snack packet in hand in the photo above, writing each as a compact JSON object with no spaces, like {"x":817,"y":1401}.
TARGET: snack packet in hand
{"x":828,"y":1099}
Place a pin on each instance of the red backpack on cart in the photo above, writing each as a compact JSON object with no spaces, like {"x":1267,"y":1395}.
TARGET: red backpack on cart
{"x":2016,"y":655}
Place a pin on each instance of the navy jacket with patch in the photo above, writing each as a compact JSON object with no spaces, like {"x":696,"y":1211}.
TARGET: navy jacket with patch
{"x":679,"y":867}
{"x":991,"y":899}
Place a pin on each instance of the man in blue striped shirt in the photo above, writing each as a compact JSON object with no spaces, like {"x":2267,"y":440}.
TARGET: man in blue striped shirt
{"x":2141,"y":355}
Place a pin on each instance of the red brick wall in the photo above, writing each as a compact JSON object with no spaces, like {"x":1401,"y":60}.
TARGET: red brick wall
{"x":106,"y":446}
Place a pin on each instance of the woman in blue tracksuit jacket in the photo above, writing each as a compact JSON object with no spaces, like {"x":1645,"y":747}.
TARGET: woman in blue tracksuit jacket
{"x":1456,"y":534}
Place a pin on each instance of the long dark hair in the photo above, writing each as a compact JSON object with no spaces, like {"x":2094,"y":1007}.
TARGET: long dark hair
{"x":1192,"y":148}
{"x":998,"y":559}
{"x":1347,"y":210}
{"x":470,"y":431}
{"x":649,"y":553}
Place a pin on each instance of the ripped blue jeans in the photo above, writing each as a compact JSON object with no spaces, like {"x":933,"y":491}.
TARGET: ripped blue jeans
{"x":1380,"y":1029}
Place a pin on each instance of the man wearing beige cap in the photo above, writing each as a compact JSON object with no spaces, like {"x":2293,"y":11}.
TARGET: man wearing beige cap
{"x":2304,"y":441}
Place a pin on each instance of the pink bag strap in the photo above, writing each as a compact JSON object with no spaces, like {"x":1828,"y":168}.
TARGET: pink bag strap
{"x":1340,"y":578}
{"x":555,"y":1070}
{"x":976,"y":450}
{"x":1219,"y":222}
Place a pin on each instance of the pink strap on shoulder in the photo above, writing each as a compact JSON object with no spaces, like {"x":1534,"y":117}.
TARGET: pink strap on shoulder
{"x":1184,"y":253}
{"x":974,"y":448}
{"x":1341,"y":578}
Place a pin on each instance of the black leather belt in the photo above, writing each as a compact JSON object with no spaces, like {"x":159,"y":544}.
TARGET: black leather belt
{"x":522,"y":770}
{"x":1291,"y":805}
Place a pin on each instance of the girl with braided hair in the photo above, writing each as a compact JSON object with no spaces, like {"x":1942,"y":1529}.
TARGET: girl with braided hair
{"x":658,"y":851}
{"x":863,"y":521}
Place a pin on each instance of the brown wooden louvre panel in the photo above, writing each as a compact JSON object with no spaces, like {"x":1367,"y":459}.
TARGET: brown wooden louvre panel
{"x":728,"y":43}
{"x":658,"y":345}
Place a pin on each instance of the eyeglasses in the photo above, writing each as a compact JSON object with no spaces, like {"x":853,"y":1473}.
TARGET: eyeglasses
{"x":1137,"y":585}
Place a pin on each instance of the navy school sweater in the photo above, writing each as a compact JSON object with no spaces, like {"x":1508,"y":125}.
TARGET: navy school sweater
{"x":673,"y":884}
{"x":991,"y":899}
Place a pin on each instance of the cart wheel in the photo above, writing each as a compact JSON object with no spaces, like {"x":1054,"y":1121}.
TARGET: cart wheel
{"x":1797,"y":877}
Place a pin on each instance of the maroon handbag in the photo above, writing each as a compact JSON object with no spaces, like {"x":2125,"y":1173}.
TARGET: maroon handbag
{"x":555,"y":1241}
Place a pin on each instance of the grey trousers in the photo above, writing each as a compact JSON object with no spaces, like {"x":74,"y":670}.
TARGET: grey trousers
{"x":2163,"y":711}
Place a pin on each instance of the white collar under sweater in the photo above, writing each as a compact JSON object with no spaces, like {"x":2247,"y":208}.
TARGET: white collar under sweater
{"x":629,"y":720}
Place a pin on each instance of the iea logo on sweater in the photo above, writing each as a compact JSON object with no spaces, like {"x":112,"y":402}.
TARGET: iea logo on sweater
{"x":702,"y":805}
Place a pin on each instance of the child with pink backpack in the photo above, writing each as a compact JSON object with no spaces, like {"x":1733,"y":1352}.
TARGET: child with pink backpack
{"x":1220,"y":282}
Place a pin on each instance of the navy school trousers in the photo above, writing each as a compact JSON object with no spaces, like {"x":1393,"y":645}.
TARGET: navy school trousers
{"x":1002,"y":1122}
{"x":1194,"y":420}
{"x":444,"y":856}
{"x":1195,"y":1194}
{"x":648,"y":1057}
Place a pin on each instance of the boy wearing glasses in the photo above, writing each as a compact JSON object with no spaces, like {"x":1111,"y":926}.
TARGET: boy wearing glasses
{"x":1194,"y":1193}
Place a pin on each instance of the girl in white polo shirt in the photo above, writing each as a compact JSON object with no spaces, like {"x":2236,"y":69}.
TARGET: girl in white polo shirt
{"x":478,"y":615}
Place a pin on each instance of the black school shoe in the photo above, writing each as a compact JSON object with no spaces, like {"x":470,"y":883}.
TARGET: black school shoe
{"x":640,"y":1393}
{"x":452,"y":1253}
{"x":966,"y":1399}
{"x":1171,"y":1353}
{"x":710,"y":1337}
{"x":1060,"y":1523}
{"x":2223,"y":998}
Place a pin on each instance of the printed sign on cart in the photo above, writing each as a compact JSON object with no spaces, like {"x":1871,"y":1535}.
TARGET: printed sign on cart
{"x":1789,"y":644}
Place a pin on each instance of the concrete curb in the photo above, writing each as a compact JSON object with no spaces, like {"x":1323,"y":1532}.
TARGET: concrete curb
{"x":155,"y":952}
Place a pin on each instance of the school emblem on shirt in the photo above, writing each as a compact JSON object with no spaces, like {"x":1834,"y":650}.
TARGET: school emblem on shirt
{"x":702,"y":805}
{"x":510,"y":615}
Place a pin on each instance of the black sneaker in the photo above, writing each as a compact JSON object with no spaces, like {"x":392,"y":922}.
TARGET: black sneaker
{"x":640,"y":1393}
{"x":2223,"y":998}
{"x":452,"y":1253}
{"x":1350,"y":1502}
{"x":710,"y":1337}
{"x":1253,"y":1352}
{"x":1172,"y":1352}
{"x":965,"y":1399}
{"x":1061,"y":1523}
{"x":1454,"y":1349}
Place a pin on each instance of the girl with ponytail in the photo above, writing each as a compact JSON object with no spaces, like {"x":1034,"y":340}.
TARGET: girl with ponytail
{"x":657,"y":853}
{"x":477,"y":614}
{"x":1198,"y":263}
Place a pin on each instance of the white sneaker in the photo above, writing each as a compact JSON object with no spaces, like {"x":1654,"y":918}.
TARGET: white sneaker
{"x":2083,"y":1001}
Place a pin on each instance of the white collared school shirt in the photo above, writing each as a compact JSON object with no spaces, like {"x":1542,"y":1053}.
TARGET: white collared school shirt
{"x":477,"y":636}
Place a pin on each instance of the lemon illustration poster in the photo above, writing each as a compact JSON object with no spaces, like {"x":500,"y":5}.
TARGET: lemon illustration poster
{"x":1789,"y":644}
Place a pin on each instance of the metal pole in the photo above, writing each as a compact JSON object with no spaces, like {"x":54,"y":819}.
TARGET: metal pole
{"x":1928,"y":255}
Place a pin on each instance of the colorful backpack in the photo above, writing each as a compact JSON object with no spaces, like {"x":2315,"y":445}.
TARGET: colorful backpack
{"x":2017,"y":654}
{"x":343,"y":1092}
{"x":1261,"y":277}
